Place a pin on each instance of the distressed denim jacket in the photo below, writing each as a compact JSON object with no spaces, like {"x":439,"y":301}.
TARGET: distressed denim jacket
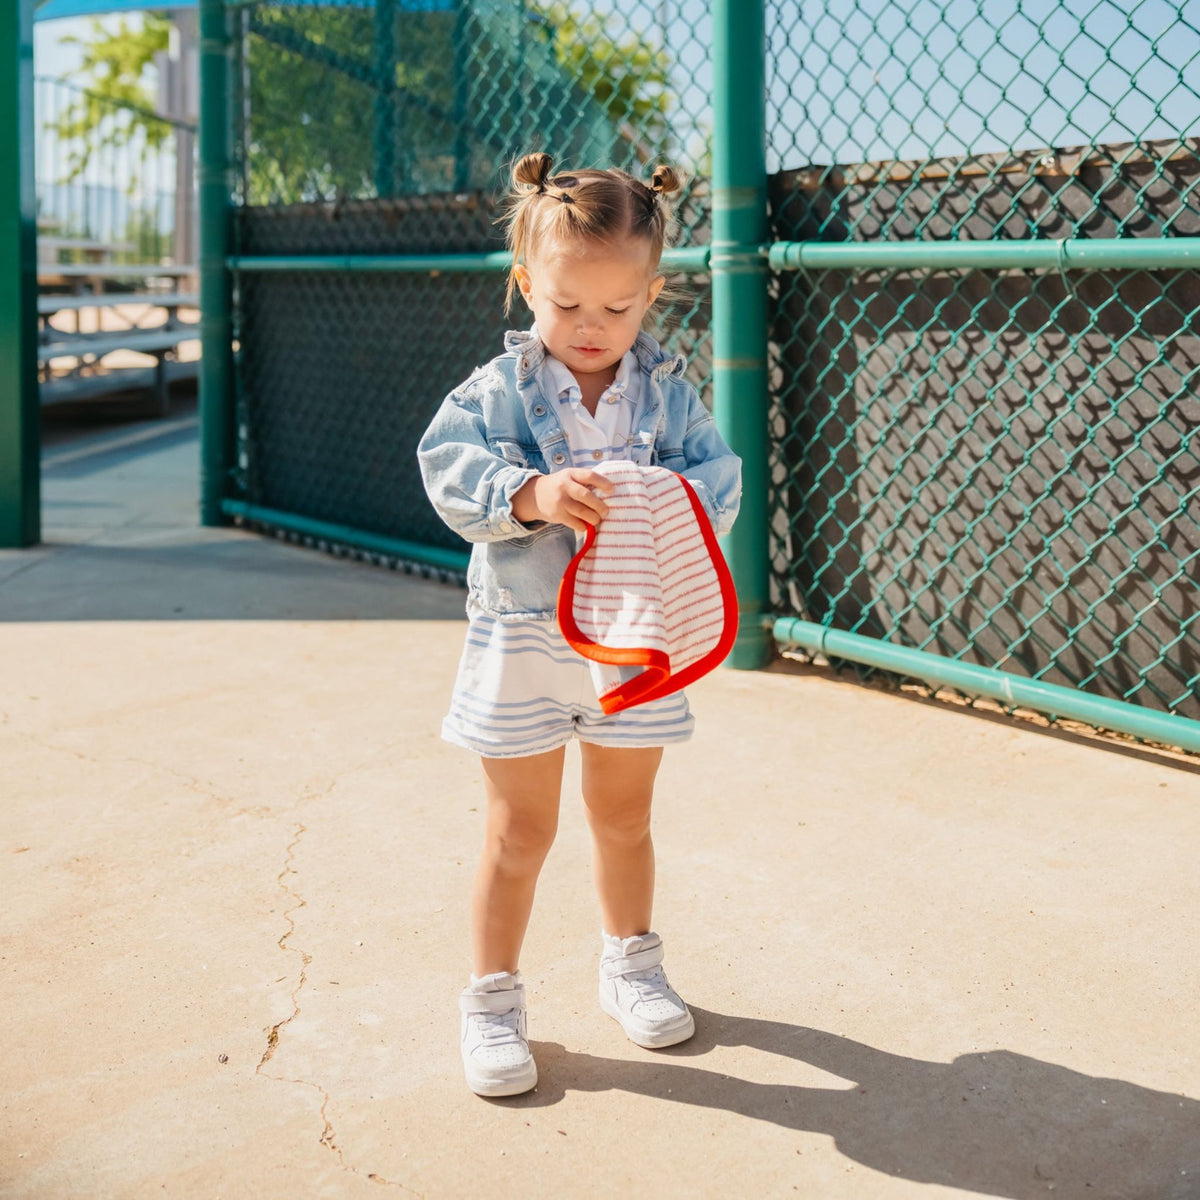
{"x":497,"y":431}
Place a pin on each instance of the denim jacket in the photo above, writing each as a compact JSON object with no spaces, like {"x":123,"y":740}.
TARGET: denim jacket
{"x":498,"y":430}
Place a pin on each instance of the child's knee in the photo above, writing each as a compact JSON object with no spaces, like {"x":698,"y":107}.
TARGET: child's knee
{"x":521,"y":843}
{"x":625,"y":826}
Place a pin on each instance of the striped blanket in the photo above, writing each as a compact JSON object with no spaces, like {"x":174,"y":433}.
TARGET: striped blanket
{"x":648,"y":593}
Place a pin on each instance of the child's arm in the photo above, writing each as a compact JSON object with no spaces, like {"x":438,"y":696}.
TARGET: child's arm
{"x":470,"y":485}
{"x":483,"y":496}
{"x":711,"y":467}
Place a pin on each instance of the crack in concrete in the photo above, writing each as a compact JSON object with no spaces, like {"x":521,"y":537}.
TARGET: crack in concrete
{"x":328,"y":1137}
{"x":305,"y":957}
{"x":206,"y":789}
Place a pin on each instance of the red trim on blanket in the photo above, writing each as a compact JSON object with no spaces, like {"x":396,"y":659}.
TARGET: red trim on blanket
{"x":656,"y":681}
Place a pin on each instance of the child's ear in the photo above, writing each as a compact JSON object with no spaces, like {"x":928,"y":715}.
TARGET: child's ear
{"x":656,"y":286}
{"x":524,"y":281}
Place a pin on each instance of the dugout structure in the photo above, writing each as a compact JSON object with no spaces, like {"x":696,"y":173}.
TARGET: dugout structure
{"x":936,"y":277}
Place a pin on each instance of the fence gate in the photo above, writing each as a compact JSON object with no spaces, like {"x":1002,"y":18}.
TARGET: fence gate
{"x":936,"y":279}
{"x":367,"y":146}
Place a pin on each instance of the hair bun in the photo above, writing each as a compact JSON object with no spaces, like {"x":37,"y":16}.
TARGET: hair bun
{"x":533,"y":170}
{"x":665,"y":181}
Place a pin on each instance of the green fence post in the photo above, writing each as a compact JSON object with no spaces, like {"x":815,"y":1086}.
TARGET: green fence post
{"x":215,"y":175}
{"x":462,"y":95}
{"x":385,"y":98}
{"x":739,"y":300}
{"x":20,"y":472}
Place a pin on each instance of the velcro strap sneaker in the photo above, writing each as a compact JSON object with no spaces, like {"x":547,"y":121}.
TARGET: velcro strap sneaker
{"x":495,"y":1045}
{"x":634,"y":991}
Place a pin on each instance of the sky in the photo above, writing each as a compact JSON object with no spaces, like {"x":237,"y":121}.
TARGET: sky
{"x":906,"y":78}
{"x":51,"y":56}
{"x":909,"y":78}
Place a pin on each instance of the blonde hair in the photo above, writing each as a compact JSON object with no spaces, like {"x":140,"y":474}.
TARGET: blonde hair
{"x":588,"y":205}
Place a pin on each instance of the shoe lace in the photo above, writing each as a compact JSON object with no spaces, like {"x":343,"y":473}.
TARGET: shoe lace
{"x":498,"y":1027}
{"x":650,"y":985}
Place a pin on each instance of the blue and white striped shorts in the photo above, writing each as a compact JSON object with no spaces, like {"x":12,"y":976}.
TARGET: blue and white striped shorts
{"x":522,"y":690}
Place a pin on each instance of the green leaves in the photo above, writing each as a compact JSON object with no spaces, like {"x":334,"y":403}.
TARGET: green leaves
{"x":114,"y":109}
{"x":623,"y":73}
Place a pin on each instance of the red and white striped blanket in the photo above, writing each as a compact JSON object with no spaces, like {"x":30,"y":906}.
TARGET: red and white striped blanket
{"x":648,"y":592}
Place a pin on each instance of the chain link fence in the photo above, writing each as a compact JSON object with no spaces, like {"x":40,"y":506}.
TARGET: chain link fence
{"x":389,"y":130}
{"x":992,"y":463}
{"x":997,"y":466}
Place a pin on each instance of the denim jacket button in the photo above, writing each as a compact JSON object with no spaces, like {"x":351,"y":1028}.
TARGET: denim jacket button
{"x":560,"y":457}
{"x":505,"y":527}
{"x":539,"y":410}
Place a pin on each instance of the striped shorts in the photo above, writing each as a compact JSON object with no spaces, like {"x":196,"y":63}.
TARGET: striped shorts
{"x":522,"y":690}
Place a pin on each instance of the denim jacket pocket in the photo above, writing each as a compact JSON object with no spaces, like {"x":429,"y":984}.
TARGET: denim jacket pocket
{"x":518,"y":577}
{"x":517,"y":454}
{"x":512,"y":452}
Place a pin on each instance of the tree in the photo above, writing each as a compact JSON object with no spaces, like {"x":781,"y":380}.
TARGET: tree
{"x":113,"y":107}
{"x":625,"y":74}
{"x":345,"y":101}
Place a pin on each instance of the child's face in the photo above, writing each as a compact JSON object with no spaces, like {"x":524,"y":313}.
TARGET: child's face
{"x":589,"y":299}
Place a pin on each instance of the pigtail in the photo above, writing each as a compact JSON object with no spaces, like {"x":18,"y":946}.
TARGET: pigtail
{"x":659,"y":221}
{"x":529,"y":176}
{"x":532,"y":171}
{"x":665,"y":181}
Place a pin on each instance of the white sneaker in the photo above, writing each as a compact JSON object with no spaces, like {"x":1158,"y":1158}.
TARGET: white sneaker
{"x":495,"y":1047}
{"x":634,"y":991}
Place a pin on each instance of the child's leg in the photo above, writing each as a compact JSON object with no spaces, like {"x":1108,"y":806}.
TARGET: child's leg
{"x":522,"y":819}
{"x":618,"y":787}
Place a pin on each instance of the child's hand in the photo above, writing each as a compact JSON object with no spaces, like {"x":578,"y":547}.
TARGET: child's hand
{"x":564,"y":498}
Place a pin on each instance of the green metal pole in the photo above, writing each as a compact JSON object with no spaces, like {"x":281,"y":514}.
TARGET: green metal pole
{"x":739,"y":300}
{"x":1063,"y":254}
{"x":687,"y":258}
{"x":20,"y":472}
{"x":987,"y":681}
{"x":345,"y":535}
{"x":215,"y":174}
{"x":462,"y":95}
{"x":385,"y":98}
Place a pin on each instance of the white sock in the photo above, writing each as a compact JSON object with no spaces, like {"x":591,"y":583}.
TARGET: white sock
{"x":478,"y":980}
{"x":614,"y":947}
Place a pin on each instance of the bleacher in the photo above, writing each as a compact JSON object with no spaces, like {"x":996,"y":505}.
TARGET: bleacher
{"x":106,"y":326}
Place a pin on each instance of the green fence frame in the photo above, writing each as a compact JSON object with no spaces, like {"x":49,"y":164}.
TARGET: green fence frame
{"x":214,"y":175}
{"x":740,"y":260}
{"x":20,"y":478}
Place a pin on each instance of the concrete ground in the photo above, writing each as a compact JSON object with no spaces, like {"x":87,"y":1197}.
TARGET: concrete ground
{"x":931,"y":953}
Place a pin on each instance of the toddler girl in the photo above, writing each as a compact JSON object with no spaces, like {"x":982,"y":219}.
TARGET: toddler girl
{"x":507,"y":463}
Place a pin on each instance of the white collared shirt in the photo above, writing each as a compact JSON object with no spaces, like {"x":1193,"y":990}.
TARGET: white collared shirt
{"x":606,"y":435}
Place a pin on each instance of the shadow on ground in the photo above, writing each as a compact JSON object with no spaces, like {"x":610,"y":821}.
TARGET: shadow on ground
{"x":999,"y":1123}
{"x":122,"y":541}
{"x":211,"y":575}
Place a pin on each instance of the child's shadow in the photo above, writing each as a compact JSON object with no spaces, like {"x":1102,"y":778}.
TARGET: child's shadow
{"x":997,"y":1122}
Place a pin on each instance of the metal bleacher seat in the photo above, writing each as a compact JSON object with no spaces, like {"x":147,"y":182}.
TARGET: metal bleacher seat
{"x":91,"y":287}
